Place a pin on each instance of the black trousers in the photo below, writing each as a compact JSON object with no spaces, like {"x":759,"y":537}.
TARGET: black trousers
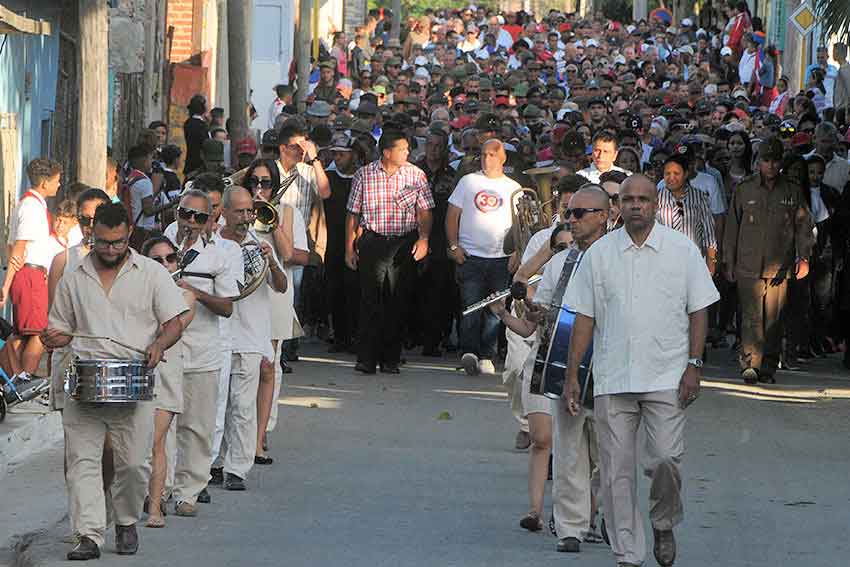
{"x":343,"y":290}
{"x":387,"y":271}
{"x":439,"y":301}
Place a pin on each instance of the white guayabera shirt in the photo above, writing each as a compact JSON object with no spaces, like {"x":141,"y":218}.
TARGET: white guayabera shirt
{"x":640,"y":299}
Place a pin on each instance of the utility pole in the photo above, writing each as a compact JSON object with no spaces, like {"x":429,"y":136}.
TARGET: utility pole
{"x":395,"y":30}
{"x":238,"y":17}
{"x":92,"y":108}
{"x":303,"y":51}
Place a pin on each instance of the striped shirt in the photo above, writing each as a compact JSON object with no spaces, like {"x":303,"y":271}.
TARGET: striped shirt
{"x":691,"y":216}
{"x":387,"y":204}
{"x":304,"y":190}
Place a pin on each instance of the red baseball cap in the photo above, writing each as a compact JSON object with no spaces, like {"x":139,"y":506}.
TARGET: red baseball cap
{"x":502,"y":101}
{"x":246,"y":146}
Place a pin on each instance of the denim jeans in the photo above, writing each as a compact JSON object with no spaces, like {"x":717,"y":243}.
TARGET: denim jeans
{"x":478,"y":278}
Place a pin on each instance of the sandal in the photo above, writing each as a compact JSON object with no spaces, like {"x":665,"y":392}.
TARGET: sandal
{"x":263,"y":460}
{"x":593,"y":536}
{"x":155,"y":522}
{"x":531,"y":522}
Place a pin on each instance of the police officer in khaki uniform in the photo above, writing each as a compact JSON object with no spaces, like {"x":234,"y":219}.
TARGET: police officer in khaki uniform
{"x":768,"y":240}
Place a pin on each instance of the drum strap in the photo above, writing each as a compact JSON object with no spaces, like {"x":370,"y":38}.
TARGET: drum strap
{"x":573,"y":260}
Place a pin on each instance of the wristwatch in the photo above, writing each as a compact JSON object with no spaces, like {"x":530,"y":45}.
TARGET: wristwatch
{"x":453,"y":247}
{"x":311,"y":161}
{"x":696,"y":362}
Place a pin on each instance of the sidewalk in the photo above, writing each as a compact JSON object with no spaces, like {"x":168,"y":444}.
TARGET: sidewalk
{"x":30,"y":475}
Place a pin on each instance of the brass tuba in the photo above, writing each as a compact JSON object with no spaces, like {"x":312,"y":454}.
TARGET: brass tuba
{"x":532,"y":210}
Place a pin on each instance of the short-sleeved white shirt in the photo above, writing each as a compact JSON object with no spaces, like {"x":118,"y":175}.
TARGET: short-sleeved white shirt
{"x":640,"y":299}
{"x":139,"y":190}
{"x":485,"y":218}
{"x":251,"y":322}
{"x":226,"y":268}
{"x":537,"y":241}
{"x":30,"y":223}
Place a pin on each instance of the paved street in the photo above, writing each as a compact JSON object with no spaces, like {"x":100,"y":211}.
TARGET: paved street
{"x":368,"y":474}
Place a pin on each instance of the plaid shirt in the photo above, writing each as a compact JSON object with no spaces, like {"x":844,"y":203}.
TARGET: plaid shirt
{"x":387,"y":204}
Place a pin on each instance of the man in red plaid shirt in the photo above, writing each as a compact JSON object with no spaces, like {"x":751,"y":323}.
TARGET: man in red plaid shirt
{"x":387,"y":230}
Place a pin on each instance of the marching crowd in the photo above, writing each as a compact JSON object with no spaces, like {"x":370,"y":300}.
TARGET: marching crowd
{"x":675,"y":152}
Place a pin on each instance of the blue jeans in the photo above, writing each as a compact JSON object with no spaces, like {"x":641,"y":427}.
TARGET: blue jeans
{"x":478,"y":278}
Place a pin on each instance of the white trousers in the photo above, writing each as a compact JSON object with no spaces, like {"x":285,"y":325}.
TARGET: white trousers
{"x":573,"y":451}
{"x":278,"y":382}
{"x":221,"y":404}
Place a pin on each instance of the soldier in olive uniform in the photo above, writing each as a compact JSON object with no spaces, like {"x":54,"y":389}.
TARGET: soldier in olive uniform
{"x":768,"y":240}
{"x":326,"y":89}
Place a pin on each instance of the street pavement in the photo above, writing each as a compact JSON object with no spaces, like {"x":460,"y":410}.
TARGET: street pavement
{"x":419,"y":469}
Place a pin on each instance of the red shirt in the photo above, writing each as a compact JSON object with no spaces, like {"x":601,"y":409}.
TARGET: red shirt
{"x":387,"y":204}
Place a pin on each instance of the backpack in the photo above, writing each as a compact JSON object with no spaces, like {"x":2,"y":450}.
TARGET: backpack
{"x":125,"y":194}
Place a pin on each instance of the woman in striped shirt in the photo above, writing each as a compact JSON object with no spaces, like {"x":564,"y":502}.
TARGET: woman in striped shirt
{"x":683,"y":208}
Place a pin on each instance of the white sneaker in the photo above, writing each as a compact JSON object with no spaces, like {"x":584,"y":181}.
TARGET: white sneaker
{"x":470,"y":365}
{"x":486,"y":366}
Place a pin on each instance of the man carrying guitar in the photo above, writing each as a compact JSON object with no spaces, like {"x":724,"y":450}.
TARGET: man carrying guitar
{"x":573,"y":439}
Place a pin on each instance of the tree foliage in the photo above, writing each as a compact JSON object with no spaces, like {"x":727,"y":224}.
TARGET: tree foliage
{"x":834,"y":16}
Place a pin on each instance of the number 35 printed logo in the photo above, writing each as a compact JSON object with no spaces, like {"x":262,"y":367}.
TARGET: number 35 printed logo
{"x":487,"y":201}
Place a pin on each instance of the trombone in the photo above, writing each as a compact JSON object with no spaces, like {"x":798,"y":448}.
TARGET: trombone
{"x":266,"y":211}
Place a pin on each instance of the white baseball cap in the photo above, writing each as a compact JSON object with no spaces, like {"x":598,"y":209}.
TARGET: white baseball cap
{"x":726,"y":51}
{"x":687,"y":22}
{"x":592,"y":43}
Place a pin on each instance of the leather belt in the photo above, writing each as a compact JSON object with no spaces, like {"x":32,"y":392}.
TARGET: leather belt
{"x":41,"y":269}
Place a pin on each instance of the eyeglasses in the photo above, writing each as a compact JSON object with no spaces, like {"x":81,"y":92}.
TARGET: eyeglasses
{"x":187,"y":214}
{"x":580,"y":212}
{"x":85,"y":221}
{"x":265,"y":183}
{"x":169,"y":258}
{"x":116,"y":244}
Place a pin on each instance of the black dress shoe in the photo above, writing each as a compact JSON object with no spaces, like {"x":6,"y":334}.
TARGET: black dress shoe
{"x":569,"y":545}
{"x":364,"y":368}
{"x":767,"y":379}
{"x":216,"y":476}
{"x":85,"y":550}
{"x":233,"y":482}
{"x":261,"y":460}
{"x":126,"y":540}
{"x":665,"y":547}
{"x":204,"y":497}
{"x":390,"y":369}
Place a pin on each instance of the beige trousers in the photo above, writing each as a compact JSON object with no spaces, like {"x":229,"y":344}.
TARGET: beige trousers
{"x":278,"y":382}
{"x":618,"y":418}
{"x":573,"y":451}
{"x":239,"y":446}
{"x":221,"y":405}
{"x":195,"y":427}
{"x":130,"y":426}
{"x":518,"y":350}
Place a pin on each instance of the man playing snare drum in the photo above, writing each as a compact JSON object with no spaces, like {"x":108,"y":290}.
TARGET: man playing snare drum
{"x":114,"y":292}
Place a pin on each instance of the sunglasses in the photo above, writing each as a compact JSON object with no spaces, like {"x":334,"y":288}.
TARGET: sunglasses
{"x":578,"y":213}
{"x":255,"y":181}
{"x":116,"y":244}
{"x":188,"y":214}
{"x":169,"y":258}
{"x":85,"y":221}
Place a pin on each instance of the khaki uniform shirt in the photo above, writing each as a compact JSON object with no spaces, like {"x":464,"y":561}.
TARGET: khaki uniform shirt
{"x":766,"y":230}
{"x":143,"y":296}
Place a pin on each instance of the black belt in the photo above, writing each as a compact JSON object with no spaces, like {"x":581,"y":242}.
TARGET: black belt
{"x":388,"y":236}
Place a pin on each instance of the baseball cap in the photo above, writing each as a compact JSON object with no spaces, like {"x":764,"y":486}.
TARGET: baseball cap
{"x":247,"y":146}
{"x":726,"y":51}
{"x":269,"y":138}
{"x":532,"y":111}
{"x":487,"y":122}
{"x":771,"y":149}
{"x":367,"y":108}
{"x":341,"y":142}
{"x":502,"y":101}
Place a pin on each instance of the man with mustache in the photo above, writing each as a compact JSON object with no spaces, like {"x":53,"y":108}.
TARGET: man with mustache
{"x":212,"y":277}
{"x":120,"y":294}
{"x":251,"y":327}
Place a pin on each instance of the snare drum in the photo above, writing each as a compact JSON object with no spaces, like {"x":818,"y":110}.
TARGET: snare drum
{"x":110,"y":381}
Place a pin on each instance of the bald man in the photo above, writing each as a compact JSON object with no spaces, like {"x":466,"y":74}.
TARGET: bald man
{"x":573,"y":438}
{"x":477,"y":221}
{"x":641,"y":293}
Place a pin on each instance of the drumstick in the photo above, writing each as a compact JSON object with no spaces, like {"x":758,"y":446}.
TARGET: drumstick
{"x":116,"y":341}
